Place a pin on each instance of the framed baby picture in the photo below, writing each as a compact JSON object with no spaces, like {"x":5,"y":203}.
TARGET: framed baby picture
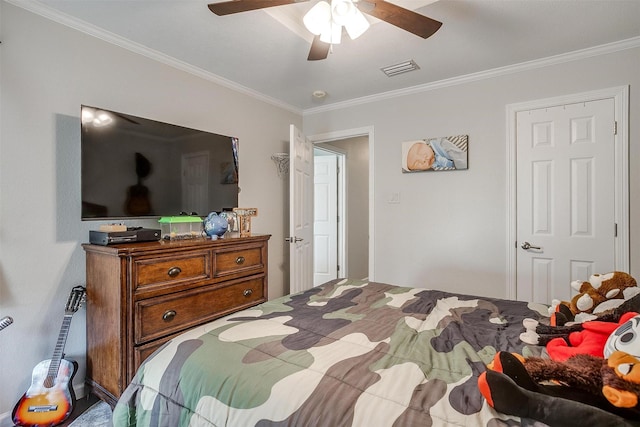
{"x":444,"y":153}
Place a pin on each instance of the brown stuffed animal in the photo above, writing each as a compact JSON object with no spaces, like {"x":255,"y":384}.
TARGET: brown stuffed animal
{"x":598,"y":290}
{"x":592,"y":389}
{"x":619,"y":379}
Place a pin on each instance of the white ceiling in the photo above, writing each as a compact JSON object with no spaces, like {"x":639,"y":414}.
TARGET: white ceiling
{"x":264,"y":52}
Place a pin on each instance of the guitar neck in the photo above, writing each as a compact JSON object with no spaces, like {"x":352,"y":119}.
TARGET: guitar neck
{"x":58,"y":352}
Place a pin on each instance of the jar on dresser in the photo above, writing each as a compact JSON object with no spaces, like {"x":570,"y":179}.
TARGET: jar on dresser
{"x":140,"y":295}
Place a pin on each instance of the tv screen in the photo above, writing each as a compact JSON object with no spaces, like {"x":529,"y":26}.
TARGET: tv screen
{"x":134,"y":167}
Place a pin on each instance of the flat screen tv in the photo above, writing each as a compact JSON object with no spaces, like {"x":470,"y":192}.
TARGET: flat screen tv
{"x":134,"y":167}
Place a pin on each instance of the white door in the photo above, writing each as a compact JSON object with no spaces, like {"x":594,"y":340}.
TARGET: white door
{"x":325,"y":224}
{"x":300,"y":212}
{"x":195,"y":182}
{"x":565,"y":197}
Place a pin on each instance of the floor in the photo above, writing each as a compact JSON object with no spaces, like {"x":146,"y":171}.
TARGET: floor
{"x":80,"y":406}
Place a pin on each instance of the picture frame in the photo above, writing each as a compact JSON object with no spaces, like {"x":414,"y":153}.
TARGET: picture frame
{"x":444,"y":153}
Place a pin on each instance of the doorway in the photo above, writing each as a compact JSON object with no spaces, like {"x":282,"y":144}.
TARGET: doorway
{"x":329,"y":233}
{"x":353,"y":208}
{"x":568,"y":191}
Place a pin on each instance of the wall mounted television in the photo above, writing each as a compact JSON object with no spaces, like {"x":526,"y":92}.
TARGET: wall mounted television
{"x":134,"y":167}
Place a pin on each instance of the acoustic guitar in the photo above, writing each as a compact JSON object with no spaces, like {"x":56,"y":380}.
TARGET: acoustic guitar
{"x":50,"y":398}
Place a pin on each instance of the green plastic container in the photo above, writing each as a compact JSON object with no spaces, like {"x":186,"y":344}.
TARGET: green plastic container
{"x":181,"y":227}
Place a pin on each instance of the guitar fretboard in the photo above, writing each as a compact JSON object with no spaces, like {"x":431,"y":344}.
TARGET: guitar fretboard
{"x":54,"y":366}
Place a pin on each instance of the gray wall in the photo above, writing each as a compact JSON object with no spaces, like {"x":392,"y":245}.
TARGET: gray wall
{"x":47,"y":71}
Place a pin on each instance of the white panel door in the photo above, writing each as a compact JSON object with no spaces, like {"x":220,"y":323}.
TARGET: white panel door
{"x":300,"y":212}
{"x":195,"y":183}
{"x":565,"y":197}
{"x":325,"y":224}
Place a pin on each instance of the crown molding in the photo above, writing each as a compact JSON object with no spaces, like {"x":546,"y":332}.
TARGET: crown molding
{"x":617,"y":46}
{"x":109,"y":37}
{"x":77,"y":24}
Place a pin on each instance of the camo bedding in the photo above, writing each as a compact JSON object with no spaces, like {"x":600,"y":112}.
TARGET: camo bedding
{"x":347,"y":353}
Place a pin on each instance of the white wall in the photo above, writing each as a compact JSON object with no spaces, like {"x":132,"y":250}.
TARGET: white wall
{"x":47,"y":71}
{"x":449,"y":229}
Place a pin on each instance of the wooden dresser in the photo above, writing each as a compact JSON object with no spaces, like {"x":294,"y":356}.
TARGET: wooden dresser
{"x":139,"y":295}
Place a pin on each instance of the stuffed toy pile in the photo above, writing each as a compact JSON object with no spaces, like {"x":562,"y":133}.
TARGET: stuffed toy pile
{"x":579,"y":338}
{"x":593,"y":373}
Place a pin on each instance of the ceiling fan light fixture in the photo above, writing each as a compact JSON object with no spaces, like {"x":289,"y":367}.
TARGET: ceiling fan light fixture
{"x":332,"y":34}
{"x":327,"y":20}
{"x":357,"y":25}
{"x":318,"y":18}
{"x":342,"y":11}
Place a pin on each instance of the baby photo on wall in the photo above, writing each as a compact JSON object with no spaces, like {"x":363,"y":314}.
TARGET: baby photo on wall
{"x":435,"y":154}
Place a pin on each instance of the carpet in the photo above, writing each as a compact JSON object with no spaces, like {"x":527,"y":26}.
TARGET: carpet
{"x":99,"y":415}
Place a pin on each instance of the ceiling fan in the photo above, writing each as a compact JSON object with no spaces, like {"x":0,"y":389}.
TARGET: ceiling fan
{"x":329,"y":29}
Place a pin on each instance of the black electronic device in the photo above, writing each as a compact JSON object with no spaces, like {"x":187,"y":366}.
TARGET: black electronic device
{"x":132,"y":167}
{"x":106,"y":238}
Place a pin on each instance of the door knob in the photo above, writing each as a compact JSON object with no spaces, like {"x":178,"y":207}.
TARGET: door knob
{"x":527,"y":245}
{"x":294,"y":239}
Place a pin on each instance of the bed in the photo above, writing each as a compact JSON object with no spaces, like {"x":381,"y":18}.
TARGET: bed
{"x":347,"y":353}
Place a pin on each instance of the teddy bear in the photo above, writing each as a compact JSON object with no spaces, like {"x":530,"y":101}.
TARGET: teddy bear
{"x":596,"y":391}
{"x":602,"y":292}
{"x":607,"y":311}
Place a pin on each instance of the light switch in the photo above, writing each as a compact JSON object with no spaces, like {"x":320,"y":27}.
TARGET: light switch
{"x":394,"y":198}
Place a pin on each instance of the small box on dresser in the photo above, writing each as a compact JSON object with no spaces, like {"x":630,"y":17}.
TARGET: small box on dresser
{"x":140,"y":295}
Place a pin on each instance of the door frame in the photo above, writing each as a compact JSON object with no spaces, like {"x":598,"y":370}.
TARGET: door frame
{"x":367,"y":131}
{"x":620,"y":96}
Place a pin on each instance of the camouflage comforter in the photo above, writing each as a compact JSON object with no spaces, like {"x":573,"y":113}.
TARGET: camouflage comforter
{"x":347,"y":353}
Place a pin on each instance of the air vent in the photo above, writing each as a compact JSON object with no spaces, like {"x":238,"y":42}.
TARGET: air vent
{"x":401,"y":68}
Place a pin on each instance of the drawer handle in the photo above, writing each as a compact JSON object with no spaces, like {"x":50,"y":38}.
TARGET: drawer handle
{"x":169,"y":315}
{"x":247,"y":292}
{"x":174,"y":271}
{"x":240,"y":260}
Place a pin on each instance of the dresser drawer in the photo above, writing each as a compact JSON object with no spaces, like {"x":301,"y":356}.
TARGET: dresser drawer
{"x":191,"y":266}
{"x":156,"y":317}
{"x":245,"y":260}
{"x":142,"y":352}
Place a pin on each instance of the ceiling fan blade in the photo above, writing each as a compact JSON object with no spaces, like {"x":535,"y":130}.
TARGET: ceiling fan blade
{"x":406,"y":19}
{"x":236,"y":6}
{"x":319,"y":49}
